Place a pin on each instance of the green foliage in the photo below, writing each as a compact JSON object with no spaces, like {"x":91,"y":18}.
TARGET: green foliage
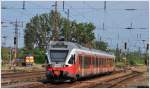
{"x":41,"y":29}
{"x":135,"y":59}
{"x":5,"y":54}
{"x":84,"y":33}
{"x":38,"y":54}
{"x":101,"y":45}
{"x":38,"y":28}
{"x":120,"y":64}
{"x":41,"y":26}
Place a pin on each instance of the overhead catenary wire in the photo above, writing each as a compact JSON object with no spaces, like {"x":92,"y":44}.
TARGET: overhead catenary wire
{"x":83,"y":16}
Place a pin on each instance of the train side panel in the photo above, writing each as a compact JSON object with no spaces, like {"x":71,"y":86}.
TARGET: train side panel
{"x":93,"y":64}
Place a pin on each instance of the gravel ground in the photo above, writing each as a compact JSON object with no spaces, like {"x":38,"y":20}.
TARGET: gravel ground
{"x":35,"y":67}
{"x":138,"y":81}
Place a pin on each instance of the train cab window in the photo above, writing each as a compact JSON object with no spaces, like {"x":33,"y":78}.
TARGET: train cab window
{"x":46,"y":59}
{"x":58,"y":55}
{"x":72,"y":59}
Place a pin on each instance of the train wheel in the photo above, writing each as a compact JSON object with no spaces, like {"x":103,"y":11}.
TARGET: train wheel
{"x":72,"y":80}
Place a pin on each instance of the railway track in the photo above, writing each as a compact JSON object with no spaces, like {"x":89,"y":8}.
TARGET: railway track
{"x":113,"y":82}
{"x":12,"y":75}
{"x":98,"y":82}
{"x":11,"y":78}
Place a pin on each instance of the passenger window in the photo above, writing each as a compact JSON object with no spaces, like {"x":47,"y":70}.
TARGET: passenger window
{"x":80,"y":60}
{"x":86,"y":62}
{"x":100,"y":61}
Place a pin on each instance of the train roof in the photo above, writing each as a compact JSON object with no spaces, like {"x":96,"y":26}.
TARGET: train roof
{"x":72,"y":45}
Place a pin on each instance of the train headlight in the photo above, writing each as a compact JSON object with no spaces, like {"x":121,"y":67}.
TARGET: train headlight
{"x":66,"y":65}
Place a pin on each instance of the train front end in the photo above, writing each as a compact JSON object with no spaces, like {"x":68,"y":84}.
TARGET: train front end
{"x":60,"y":62}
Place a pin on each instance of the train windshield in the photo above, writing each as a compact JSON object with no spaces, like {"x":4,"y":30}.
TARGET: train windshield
{"x":58,"y":55}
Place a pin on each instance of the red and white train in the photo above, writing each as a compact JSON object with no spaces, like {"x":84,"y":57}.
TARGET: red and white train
{"x":71,"y":61}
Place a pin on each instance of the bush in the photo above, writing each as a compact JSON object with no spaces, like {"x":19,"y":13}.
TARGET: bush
{"x":38,"y":54}
{"x":135,"y":59}
{"x":131,"y":62}
{"x":39,"y":59}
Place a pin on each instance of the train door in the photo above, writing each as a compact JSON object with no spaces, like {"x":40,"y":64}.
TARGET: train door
{"x":81,"y":66}
{"x":87,"y":65}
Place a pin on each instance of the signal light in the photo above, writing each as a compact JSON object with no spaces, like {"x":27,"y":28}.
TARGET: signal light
{"x":147,"y":47}
{"x":14,"y":40}
{"x":125,"y":45}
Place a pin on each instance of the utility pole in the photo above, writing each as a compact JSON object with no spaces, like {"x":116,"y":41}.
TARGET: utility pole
{"x":117,"y":54}
{"x":55,"y":35}
{"x":103,"y":26}
{"x":104,"y":5}
{"x":15,"y":44}
{"x":10,"y":53}
{"x":68,"y":12}
{"x":55,"y":27}
{"x":15,"y":40}
{"x":63,"y":5}
{"x":68,"y":30}
{"x":23,"y":5}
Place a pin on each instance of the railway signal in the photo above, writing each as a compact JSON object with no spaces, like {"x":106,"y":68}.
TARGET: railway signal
{"x":147,"y":47}
{"x":15,"y":40}
{"x":125,"y":45}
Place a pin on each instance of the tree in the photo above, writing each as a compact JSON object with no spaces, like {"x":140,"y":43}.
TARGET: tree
{"x":83,"y":33}
{"x":42,"y":26}
{"x":39,"y":28}
{"x":5,"y":54}
{"x":101,"y":45}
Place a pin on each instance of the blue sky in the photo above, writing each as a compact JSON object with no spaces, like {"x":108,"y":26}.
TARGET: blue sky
{"x":115,"y":19}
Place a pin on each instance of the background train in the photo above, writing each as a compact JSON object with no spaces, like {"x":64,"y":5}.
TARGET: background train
{"x":71,"y":61}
